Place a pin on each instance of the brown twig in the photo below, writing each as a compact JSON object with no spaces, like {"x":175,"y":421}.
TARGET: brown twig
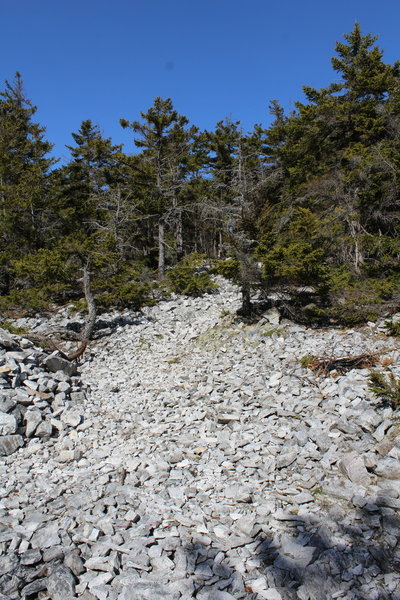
{"x":51,"y":345}
{"x":323,"y":366}
{"x":75,"y":354}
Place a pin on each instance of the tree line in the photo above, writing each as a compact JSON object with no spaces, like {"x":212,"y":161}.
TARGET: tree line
{"x":307,"y":208}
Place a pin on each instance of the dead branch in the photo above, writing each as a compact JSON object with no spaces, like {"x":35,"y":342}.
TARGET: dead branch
{"x":87,"y":330}
{"x":51,"y":345}
{"x":91,"y":318}
{"x":77,"y":352}
{"x":342,"y":364}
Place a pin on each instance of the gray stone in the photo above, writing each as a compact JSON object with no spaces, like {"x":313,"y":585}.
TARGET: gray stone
{"x":8,"y":424}
{"x":46,"y":536}
{"x":34,"y":587}
{"x":66,"y":456}
{"x":6,"y":341}
{"x":227,"y":418}
{"x":55,"y":363}
{"x":8,"y":563}
{"x":9,"y":444}
{"x":71,"y":417}
{"x":301,"y":437}
{"x":31,"y":557}
{"x":388,"y":467}
{"x":286,"y":459}
{"x":74,"y":562}
{"x":239,"y":493}
{"x":61,"y":583}
{"x":33,"y":418}
{"x":218,"y":595}
{"x":380,"y":431}
{"x":54,"y":553}
{"x":44,"y":429}
{"x":293,"y":555}
{"x":272,"y":315}
{"x":148,"y":590}
{"x":98,"y":563}
{"x":7,"y":404}
{"x":353,"y":467}
{"x":64,"y":386}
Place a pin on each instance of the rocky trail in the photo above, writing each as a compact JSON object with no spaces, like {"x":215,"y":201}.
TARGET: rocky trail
{"x":193,"y":456}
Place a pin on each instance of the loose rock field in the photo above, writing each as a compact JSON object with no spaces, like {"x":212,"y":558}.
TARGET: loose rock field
{"x":192,"y":456}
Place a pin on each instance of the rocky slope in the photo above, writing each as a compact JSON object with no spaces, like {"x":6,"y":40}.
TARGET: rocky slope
{"x":203,"y":461}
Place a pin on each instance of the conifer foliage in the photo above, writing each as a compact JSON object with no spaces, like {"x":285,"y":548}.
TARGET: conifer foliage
{"x":309,"y":207}
{"x":26,"y":221}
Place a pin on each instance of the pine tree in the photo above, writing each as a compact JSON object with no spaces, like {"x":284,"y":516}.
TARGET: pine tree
{"x":167,"y":143}
{"x":336,"y":157}
{"x":93,"y":170}
{"x":26,"y":215}
{"x":237,"y":168}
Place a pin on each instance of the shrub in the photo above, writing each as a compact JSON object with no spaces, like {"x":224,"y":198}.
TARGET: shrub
{"x":189,"y":277}
{"x":306,"y":360}
{"x":32,"y":300}
{"x":387,"y":388}
{"x":13,"y":328}
{"x":229,"y":268}
{"x":123,"y":289}
{"x":393,"y":327}
{"x":273,"y":331}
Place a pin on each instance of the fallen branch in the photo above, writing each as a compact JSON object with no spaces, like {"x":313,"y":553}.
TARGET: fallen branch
{"x":342,"y":364}
{"x":75,"y":354}
{"x":50,"y":345}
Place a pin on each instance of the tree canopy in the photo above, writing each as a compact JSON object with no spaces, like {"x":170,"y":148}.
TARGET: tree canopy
{"x":308,"y":206}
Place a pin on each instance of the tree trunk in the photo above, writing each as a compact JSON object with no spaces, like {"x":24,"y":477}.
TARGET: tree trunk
{"x":161,"y":248}
{"x":91,"y":318}
{"x":247,"y":307}
{"x":179,"y":235}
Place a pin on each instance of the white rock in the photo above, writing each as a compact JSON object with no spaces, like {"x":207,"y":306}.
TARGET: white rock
{"x":8,"y":424}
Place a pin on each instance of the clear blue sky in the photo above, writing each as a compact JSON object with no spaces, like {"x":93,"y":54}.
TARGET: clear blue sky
{"x":107,"y":59}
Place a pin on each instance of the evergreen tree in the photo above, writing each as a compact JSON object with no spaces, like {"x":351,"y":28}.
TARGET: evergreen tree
{"x":333,"y":156}
{"x":26,"y":215}
{"x":167,"y":147}
{"x":238,"y":167}
{"x":93,"y":170}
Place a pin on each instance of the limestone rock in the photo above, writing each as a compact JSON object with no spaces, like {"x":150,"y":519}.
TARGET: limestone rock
{"x":9,"y":444}
{"x":8,"y":424}
{"x":227,"y":472}
{"x":61,"y":583}
{"x":353,"y":467}
{"x":6,"y":341}
{"x":55,"y":363}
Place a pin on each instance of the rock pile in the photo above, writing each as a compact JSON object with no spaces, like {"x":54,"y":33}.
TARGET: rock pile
{"x":39,"y":394}
{"x":209,"y":464}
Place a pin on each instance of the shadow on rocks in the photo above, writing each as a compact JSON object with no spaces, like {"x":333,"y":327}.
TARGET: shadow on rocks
{"x":340,"y":552}
{"x":106,"y":326}
{"x":344,"y":553}
{"x":212,"y":575}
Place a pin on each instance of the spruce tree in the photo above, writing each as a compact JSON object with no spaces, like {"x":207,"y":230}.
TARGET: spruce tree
{"x":166,"y":141}
{"x":27,"y":221}
{"x":90,"y":174}
{"x":336,"y":159}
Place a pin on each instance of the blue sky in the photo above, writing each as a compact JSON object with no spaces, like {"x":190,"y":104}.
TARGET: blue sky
{"x":107,"y":59}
